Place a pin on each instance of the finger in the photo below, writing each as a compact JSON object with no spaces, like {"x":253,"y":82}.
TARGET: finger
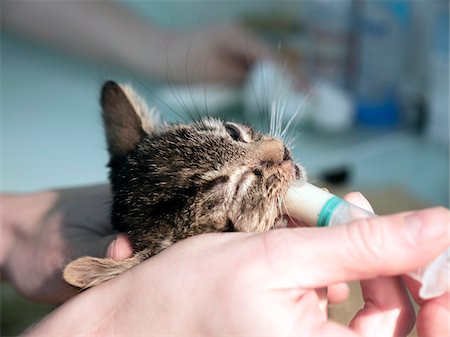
{"x":364,"y":249}
{"x":434,"y":315}
{"x":387,"y":310}
{"x":338,"y":293}
{"x":358,"y":199}
{"x":120,"y":248}
{"x":386,"y":299}
{"x":97,"y":246}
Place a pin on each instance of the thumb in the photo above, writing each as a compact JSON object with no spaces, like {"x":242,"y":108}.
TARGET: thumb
{"x":120,"y":248}
{"x":359,"y":200}
{"x":364,"y":249}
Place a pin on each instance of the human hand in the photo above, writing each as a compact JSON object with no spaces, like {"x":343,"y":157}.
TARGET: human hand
{"x":386,"y":298}
{"x":433,"y":319}
{"x":434,"y":314}
{"x":213,"y":54}
{"x":43,"y":231}
{"x":268,"y":283}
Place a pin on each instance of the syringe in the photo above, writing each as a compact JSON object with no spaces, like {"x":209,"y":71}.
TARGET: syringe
{"x":317,"y":207}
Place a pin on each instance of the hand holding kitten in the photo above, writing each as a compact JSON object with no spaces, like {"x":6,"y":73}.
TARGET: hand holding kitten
{"x":42,"y":232}
{"x":269,"y":283}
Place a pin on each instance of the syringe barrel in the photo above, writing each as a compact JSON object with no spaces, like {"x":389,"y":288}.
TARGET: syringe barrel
{"x":317,"y":207}
{"x":337,"y":211}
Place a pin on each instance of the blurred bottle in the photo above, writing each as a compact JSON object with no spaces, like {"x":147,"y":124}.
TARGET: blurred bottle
{"x":437,"y":72}
{"x":383,"y":41}
{"x":329,"y":26}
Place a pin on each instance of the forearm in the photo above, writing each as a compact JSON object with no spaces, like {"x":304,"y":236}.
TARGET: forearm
{"x":101,"y":31}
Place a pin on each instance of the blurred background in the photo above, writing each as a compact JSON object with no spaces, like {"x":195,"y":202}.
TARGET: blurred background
{"x":363,"y":87}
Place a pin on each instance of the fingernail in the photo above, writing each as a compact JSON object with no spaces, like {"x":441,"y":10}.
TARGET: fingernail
{"x":364,"y":202}
{"x":112,"y":249}
{"x":419,"y":232}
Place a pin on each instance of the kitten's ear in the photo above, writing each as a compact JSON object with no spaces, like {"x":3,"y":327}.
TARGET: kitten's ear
{"x":87,"y":271}
{"x":125,"y":116}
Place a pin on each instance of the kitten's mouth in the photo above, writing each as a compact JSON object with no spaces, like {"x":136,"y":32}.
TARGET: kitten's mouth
{"x":285,"y":221}
{"x":281,"y":221}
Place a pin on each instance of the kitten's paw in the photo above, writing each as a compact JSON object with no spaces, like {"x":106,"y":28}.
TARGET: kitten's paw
{"x":87,"y":271}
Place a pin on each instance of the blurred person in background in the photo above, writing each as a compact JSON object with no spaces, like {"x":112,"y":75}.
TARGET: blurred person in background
{"x":104,"y":31}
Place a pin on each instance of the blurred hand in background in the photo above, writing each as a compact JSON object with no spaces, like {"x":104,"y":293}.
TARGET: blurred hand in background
{"x":105,"y":32}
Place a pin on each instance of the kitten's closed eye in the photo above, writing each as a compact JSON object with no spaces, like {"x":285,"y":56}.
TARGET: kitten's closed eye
{"x":234,"y":132}
{"x":239,"y":133}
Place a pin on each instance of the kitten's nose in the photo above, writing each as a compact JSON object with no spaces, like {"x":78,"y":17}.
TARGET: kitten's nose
{"x":272,"y":151}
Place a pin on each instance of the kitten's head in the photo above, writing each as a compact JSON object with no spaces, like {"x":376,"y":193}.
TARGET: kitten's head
{"x":205,"y":176}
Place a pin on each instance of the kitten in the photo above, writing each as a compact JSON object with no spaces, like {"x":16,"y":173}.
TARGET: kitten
{"x":170,"y":182}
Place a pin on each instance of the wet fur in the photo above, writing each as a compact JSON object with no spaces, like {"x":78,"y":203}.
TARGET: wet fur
{"x":170,"y":182}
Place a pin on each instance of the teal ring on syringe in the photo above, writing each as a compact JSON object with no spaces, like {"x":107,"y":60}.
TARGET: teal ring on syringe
{"x":328,"y":210}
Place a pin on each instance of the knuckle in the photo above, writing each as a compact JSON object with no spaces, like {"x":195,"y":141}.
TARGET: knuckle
{"x":369,"y":241}
{"x":442,"y":212}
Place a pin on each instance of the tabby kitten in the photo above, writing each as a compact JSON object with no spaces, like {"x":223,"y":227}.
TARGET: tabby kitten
{"x":170,"y":182}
